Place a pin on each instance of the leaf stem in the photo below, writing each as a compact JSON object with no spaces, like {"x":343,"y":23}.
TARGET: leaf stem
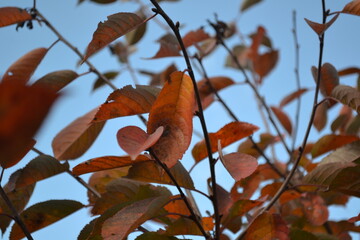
{"x":200,"y":113}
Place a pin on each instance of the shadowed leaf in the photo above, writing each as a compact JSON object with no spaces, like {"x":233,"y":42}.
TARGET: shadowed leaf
{"x":105,"y":163}
{"x":56,"y":80}
{"x":248,"y":147}
{"x":127,"y":101}
{"x":114,"y":27}
{"x":329,"y":78}
{"x":22,"y":110}
{"x":75,"y":139}
{"x":297,"y":234}
{"x":13,"y":15}
{"x":292,"y":96}
{"x":320,"y":118}
{"x":155,"y":236}
{"x":228,"y":134}
{"x":43,"y":214}
{"x":248,"y":3}
{"x":135,"y":36}
{"x":24,"y":67}
{"x":265,"y":63}
{"x":315,"y":209}
{"x":321,"y":28}
{"x":133,"y":140}
{"x":194,"y":37}
{"x":99,"y":82}
{"x":167,"y":50}
{"x":347,"y":95}
{"x":331,"y":142}
{"x":183,"y":226}
{"x":283,"y":118}
{"x":177,"y":205}
{"x":268,"y":226}
{"x":173,"y":109}
{"x":352,"y":7}
{"x":130,"y":217}
{"x":158,"y":79}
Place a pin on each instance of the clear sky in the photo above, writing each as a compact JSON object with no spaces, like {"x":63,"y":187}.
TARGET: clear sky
{"x":78,"y":22}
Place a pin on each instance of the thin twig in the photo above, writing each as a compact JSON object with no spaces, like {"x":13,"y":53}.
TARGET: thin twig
{"x":307,"y":133}
{"x":200,"y":113}
{"x":2,"y":174}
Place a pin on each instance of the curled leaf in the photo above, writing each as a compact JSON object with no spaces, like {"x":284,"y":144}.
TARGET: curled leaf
{"x":347,"y":95}
{"x":331,"y":142}
{"x":321,"y":28}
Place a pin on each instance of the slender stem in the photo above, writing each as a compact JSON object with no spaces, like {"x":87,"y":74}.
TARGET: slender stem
{"x":187,"y":203}
{"x":66,"y":42}
{"x":16,"y":216}
{"x":200,"y":114}
{"x":307,"y":133}
{"x":2,"y":174}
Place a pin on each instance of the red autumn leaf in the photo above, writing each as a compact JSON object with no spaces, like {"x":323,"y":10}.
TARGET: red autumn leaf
{"x":24,"y":67}
{"x":177,"y":205}
{"x":265,"y":63}
{"x":173,"y":109}
{"x":133,"y":140}
{"x":321,"y":28}
{"x":127,"y":101}
{"x":320,"y":118}
{"x":248,"y":147}
{"x":292,"y":96}
{"x":75,"y":139}
{"x":331,"y":142}
{"x":256,"y":42}
{"x":283,"y":118}
{"x":166,"y":50}
{"x":114,"y":27}
{"x":268,"y":226}
{"x":229,"y":134}
{"x":352,"y":7}
{"x":354,"y":219}
{"x":13,"y":15}
{"x":23,"y":109}
{"x":195,"y":37}
{"x":106,"y":163}
{"x":329,"y":78}
{"x":57,"y":80}
{"x":315,"y":209}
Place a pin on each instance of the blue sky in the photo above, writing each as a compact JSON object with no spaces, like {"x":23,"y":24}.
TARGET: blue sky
{"x":78,"y":22}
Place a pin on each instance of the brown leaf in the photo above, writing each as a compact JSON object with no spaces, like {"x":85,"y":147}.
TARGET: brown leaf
{"x":127,"y":101}
{"x":321,"y":28}
{"x":320,"y":118}
{"x":183,"y":226}
{"x":315,"y":209}
{"x":75,"y":139}
{"x":257,"y":38}
{"x":13,"y":15}
{"x":228,"y":134}
{"x":173,"y":109}
{"x":248,"y":147}
{"x":23,"y":109}
{"x":166,"y":50}
{"x":349,"y":71}
{"x":194,"y":37}
{"x":57,"y":80}
{"x":283,"y":118}
{"x":248,"y":3}
{"x":342,"y":120}
{"x":265,"y":63}
{"x":114,"y":27}
{"x":106,"y":163}
{"x":99,"y":82}
{"x":347,"y":95}
{"x":354,"y":219}
{"x":133,"y":140}
{"x":331,"y":142}
{"x":268,"y":226}
{"x":292,"y":96}
{"x":352,"y":7}
{"x":24,"y":67}
{"x":329,"y":78}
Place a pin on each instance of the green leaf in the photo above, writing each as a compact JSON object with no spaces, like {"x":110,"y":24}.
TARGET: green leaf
{"x":248,"y":3}
{"x":43,"y":214}
{"x":135,"y":36}
{"x":348,"y":96}
{"x":57,"y":80}
{"x":109,"y":75}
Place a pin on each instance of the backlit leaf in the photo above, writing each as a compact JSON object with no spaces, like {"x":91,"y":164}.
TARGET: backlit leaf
{"x":283,"y":118}
{"x":248,"y":3}
{"x":99,"y":82}
{"x":24,"y":67}
{"x":342,"y":120}
{"x":158,"y":79}
{"x":114,"y":27}
{"x":347,"y":95}
{"x":315,"y":209}
{"x":135,"y":36}
{"x":177,"y":205}
{"x":23,"y":109}
{"x":331,"y":142}
{"x":13,"y":15}
{"x":127,"y":101}
{"x":153,"y":173}
{"x":329,"y":78}
{"x":39,"y":168}
{"x":57,"y":80}
{"x":268,"y":226}
{"x":130,"y":217}
{"x":43,"y":214}
{"x":133,"y":140}
{"x":347,"y":153}
{"x":105,"y":163}
{"x":173,"y":109}
{"x":352,"y":7}
{"x":292,"y":96}
{"x":75,"y":139}
{"x":321,"y":28}
{"x":320,"y":118}
{"x":194,"y":37}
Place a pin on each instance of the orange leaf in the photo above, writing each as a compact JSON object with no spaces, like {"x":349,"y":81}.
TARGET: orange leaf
{"x":105,"y":163}
{"x":256,"y":42}
{"x":23,"y":109}
{"x":208,"y":223}
{"x":195,"y":37}
{"x":283,"y":118}
{"x":24,"y":67}
{"x":134,"y":140}
{"x":321,"y":28}
{"x":127,"y":101}
{"x":116,"y":26}
{"x":268,"y":226}
{"x":265,"y":63}
{"x":348,"y":71}
{"x":13,"y":15}
{"x":176,"y":206}
{"x":167,"y":50}
{"x":352,"y":7}
{"x":75,"y":139}
{"x":315,"y":209}
{"x":292,"y":96}
{"x":331,"y":142}
{"x":173,"y":109}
